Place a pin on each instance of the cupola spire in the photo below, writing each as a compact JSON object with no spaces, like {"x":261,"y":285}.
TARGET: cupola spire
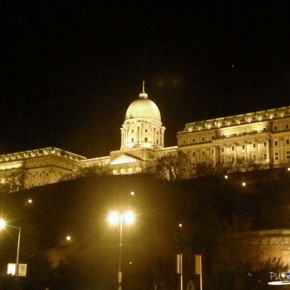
{"x":143,"y":95}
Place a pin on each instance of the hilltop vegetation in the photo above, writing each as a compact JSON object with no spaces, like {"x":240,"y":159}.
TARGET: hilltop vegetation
{"x":209,"y":209}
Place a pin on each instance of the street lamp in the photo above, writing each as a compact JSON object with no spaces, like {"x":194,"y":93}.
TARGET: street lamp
{"x":3,"y":225}
{"x":120,"y":218}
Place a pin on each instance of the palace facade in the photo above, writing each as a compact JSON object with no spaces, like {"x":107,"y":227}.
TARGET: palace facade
{"x":241,"y":141}
{"x":260,"y":139}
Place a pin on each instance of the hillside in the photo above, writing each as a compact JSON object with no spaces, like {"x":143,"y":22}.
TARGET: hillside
{"x":79,"y":208}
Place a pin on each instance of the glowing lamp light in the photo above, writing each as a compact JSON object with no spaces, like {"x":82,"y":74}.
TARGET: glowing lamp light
{"x":2,"y":224}
{"x":116,"y":218}
{"x":113,"y":218}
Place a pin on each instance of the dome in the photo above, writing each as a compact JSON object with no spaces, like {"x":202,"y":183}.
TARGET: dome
{"x":143,"y":108}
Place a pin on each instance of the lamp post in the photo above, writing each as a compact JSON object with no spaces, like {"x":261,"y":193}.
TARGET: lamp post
{"x":3,"y":225}
{"x":116,"y":218}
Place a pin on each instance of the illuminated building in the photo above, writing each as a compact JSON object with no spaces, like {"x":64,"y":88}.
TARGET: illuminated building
{"x":260,"y":139}
{"x":37,"y":167}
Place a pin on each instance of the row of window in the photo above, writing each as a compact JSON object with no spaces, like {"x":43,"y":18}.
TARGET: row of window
{"x":253,"y":157}
{"x":145,"y":140}
{"x":275,"y":127}
{"x":129,"y":170}
{"x":254,"y":145}
{"x":232,"y":148}
{"x":287,"y":142}
{"x":145,"y":130}
{"x":204,"y":139}
{"x":276,"y":156}
{"x":46,"y":163}
{"x":40,"y":175}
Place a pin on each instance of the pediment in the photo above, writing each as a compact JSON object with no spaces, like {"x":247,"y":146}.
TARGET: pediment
{"x":124,"y":159}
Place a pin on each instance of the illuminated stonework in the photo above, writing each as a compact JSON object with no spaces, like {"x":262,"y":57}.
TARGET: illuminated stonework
{"x":37,"y":167}
{"x":142,"y":127}
{"x":260,"y":138}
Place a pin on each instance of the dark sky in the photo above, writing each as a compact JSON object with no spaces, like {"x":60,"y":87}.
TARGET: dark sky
{"x":69,"y":71}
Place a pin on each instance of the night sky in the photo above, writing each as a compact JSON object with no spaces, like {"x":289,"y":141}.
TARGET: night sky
{"x":69,"y":71}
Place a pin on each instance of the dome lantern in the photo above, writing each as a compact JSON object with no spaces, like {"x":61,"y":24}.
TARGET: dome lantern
{"x":143,"y":95}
